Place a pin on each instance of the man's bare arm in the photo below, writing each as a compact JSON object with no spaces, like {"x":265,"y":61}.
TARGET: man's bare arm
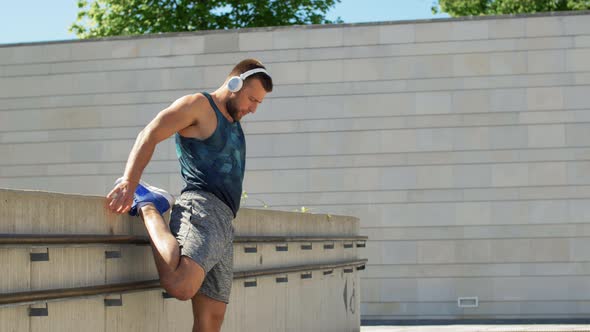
{"x":181,"y":114}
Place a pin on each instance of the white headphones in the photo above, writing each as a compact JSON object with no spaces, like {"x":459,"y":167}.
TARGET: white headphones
{"x":235,"y":83}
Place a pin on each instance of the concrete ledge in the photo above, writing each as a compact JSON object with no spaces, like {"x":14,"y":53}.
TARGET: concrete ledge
{"x":69,"y":256}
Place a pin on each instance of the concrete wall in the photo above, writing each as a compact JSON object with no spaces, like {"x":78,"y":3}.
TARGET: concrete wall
{"x":324,"y":302}
{"x":460,"y":144}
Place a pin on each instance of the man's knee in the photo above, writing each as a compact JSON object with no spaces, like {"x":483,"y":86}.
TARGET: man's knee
{"x":182,"y":290}
{"x":211,"y":320}
{"x":217,"y":318}
{"x":185,"y":282}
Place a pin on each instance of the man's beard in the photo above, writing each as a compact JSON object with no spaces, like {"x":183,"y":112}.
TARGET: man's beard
{"x":232,"y":110}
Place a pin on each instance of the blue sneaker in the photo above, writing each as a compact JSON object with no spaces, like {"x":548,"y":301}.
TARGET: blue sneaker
{"x":145,"y":193}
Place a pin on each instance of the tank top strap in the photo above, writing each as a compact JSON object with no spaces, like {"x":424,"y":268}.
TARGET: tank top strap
{"x":213,"y":105}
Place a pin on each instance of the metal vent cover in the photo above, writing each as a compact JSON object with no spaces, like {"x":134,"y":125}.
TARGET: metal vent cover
{"x":468,"y":302}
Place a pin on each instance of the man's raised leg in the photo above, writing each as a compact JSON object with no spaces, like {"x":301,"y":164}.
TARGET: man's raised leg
{"x":179,"y":275}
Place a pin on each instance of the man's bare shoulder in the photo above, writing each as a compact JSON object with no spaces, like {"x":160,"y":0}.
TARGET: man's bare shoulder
{"x":196,"y":113}
{"x":194,"y":106}
{"x":193,"y":102}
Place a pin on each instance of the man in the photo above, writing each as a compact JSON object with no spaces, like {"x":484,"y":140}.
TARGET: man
{"x":194,"y":256}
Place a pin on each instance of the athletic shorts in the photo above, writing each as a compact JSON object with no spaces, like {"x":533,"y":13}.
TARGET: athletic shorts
{"x":202,"y":224}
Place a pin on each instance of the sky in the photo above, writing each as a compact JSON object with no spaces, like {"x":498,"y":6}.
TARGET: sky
{"x":48,"y":20}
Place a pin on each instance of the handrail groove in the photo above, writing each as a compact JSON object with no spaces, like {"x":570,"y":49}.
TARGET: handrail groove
{"x":52,"y":239}
{"x":65,"y":293}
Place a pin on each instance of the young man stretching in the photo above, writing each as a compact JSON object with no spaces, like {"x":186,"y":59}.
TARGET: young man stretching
{"x":194,"y":254}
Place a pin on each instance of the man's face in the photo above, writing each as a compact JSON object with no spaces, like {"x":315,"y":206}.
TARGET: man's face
{"x":246,"y":100}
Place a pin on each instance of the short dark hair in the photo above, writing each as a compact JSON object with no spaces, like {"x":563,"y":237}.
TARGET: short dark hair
{"x":249,"y":64}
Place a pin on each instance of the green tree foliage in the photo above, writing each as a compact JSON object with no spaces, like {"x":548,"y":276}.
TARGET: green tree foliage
{"x":500,"y":7}
{"x":100,"y":18}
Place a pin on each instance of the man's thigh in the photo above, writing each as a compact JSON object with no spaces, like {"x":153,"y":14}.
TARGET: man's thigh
{"x":202,"y":225}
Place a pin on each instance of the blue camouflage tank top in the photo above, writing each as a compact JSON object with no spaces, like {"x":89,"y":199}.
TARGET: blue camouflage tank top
{"x":215,"y":164}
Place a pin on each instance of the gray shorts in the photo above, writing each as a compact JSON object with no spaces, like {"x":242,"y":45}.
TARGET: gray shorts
{"x":202,"y":224}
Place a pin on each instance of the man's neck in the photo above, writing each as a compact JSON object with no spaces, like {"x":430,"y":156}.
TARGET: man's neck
{"x":220,"y":97}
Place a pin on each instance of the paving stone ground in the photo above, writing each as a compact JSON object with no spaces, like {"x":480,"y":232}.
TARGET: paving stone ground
{"x":481,"y":328}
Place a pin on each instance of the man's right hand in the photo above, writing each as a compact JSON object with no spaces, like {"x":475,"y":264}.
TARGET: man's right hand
{"x":120,"y":199}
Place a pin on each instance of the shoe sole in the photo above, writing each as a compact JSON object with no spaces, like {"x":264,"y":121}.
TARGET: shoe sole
{"x":159,"y":191}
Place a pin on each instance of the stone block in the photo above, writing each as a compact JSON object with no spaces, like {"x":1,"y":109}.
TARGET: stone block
{"x":150,"y":47}
{"x":581,"y":41}
{"x":508,"y":100}
{"x":326,"y":71}
{"x":60,"y":52}
{"x":435,"y":252}
{"x":368,"y":69}
{"x":188,"y":44}
{"x":23,"y":54}
{"x":433,"y":32}
{"x":508,"y":63}
{"x":397,"y":34}
{"x":254,"y":41}
{"x":433,"y":103}
{"x":579,"y":210}
{"x":547,"y":174}
{"x":360,"y":35}
{"x":544,"y":26}
{"x":507,"y":28}
{"x":325,"y":37}
{"x":471,"y":64}
{"x":473,"y":213}
{"x":435,"y":139}
{"x":6,"y":55}
{"x":434,"y":176}
{"x":509,"y":212}
{"x":552,"y":61}
{"x":545,"y":98}
{"x":470,"y":30}
{"x":547,"y":117}
{"x":471,"y":138}
{"x":221,"y":42}
{"x":470,"y":101}
{"x":434,"y":66}
{"x":548,"y":212}
{"x":75,"y":315}
{"x":574,"y":97}
{"x":578,"y":60}
{"x":578,"y":172}
{"x":546,"y":136}
{"x":123,"y":49}
{"x":288,"y":38}
{"x":465,"y":176}
{"x":510,"y":175}
{"x":288,"y":72}
{"x":576,"y":25}
{"x":508,"y":137}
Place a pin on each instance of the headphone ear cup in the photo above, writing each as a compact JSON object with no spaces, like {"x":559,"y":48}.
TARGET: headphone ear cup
{"x":234,"y":84}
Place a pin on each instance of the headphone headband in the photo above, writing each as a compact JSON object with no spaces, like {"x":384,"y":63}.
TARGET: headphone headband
{"x":251,"y":72}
